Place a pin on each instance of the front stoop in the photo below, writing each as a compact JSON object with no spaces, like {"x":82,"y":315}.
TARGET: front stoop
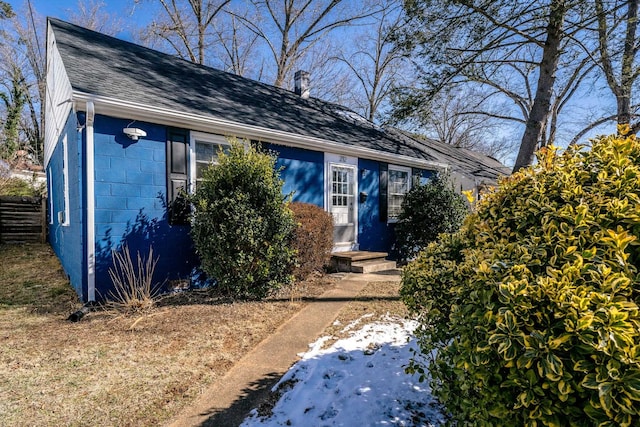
{"x":361,"y":262}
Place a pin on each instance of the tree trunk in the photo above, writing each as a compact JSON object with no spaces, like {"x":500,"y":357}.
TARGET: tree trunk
{"x":546,"y":80}
{"x":628,"y":71}
{"x":622,"y":89}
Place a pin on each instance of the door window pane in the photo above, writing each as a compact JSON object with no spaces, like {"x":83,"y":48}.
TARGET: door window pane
{"x":399,"y":185}
{"x":342,"y":195}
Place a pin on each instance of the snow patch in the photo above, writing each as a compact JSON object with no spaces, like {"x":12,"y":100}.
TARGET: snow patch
{"x":359,"y":380}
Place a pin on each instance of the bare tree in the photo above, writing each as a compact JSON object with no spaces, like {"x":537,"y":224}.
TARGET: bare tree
{"x":618,"y":42}
{"x":185,"y":25}
{"x":616,"y":38}
{"x":328,"y":80}
{"x":14,"y":96}
{"x":22,"y":71}
{"x":547,"y":68}
{"x":236,"y":46}
{"x":375,"y":61}
{"x":292,"y":27}
{"x":5,"y":10}
{"x":467,"y":119}
{"x":514,"y":48}
{"x":92,"y":14}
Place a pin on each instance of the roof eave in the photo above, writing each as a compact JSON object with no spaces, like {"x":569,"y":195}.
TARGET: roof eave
{"x":135,"y":111}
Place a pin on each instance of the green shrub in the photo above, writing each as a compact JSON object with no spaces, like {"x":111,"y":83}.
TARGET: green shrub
{"x":313,"y":239}
{"x":532,"y":307}
{"x":242,"y":227}
{"x":20,"y":187}
{"x":427,"y":211}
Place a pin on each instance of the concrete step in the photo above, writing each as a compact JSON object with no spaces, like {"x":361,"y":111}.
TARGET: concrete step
{"x":372,"y":266}
{"x":359,"y":255}
{"x":361,"y":262}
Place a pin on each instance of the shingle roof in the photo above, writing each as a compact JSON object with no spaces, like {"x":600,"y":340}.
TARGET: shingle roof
{"x":467,"y":162}
{"x":106,"y":66}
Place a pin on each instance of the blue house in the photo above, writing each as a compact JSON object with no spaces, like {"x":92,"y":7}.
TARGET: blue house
{"x":127,"y":127}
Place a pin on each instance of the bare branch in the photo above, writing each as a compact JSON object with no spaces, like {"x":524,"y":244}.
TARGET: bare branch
{"x":589,"y":128}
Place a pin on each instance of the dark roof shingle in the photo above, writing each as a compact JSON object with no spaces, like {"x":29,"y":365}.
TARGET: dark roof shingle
{"x":106,"y":66}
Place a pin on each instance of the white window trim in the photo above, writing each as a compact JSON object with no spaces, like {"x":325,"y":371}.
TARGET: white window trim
{"x":194,"y":137}
{"x":390,"y":219}
{"x":50,"y":195}
{"x":65,"y":175}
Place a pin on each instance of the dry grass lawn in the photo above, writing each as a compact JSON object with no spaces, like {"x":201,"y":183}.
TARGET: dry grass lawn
{"x":112,"y":369}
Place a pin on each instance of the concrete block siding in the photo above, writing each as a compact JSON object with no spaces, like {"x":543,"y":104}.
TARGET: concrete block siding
{"x":118,"y":180}
{"x":130,"y":201}
{"x":66,"y":237}
{"x":302,"y":172}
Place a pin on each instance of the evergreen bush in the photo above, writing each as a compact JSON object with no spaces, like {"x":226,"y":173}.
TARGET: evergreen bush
{"x":20,"y":187}
{"x":313,"y":239}
{"x":242,"y":226}
{"x":532,"y":307}
{"x":427,"y":211}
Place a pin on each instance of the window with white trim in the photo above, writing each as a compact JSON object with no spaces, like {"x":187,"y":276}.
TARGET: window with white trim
{"x":205,"y":149}
{"x":398,"y":186}
{"x":50,"y":195}
{"x":65,"y":176}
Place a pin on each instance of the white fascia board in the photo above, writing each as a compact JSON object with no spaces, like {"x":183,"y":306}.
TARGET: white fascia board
{"x":129,"y":110}
{"x":58,"y":92}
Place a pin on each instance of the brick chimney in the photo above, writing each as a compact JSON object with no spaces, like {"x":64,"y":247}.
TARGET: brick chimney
{"x":301,"y":82}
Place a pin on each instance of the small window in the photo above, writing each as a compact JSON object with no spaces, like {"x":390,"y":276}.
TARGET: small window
{"x":207,"y":154}
{"x":398,"y":186}
{"x":64,"y":214}
{"x":50,"y":195}
{"x":206,"y":148}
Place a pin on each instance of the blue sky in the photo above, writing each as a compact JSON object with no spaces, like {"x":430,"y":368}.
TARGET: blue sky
{"x":122,"y":10}
{"x":60,"y":8}
{"x":143,"y":9}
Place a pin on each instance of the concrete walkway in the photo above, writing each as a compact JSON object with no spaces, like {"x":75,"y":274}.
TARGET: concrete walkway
{"x":228,"y":401}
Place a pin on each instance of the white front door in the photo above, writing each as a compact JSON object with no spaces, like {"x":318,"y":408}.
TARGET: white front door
{"x":342,"y":205}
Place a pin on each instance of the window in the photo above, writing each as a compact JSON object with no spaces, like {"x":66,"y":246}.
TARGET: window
{"x":50,"y":195}
{"x":63,"y":216}
{"x":342,"y":194}
{"x":340,"y":183}
{"x":398,"y":186}
{"x":177,"y":176}
{"x":205,"y":148}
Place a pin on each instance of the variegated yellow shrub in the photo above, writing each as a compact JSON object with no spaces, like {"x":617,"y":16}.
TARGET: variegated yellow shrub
{"x":532,"y":307}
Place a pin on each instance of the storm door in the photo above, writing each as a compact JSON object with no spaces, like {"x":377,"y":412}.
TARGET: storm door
{"x":342,"y":203}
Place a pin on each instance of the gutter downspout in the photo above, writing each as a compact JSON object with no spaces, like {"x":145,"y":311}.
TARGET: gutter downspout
{"x":90,"y":179}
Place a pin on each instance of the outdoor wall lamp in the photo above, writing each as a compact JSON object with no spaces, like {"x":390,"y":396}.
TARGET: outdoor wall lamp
{"x":134,"y":133}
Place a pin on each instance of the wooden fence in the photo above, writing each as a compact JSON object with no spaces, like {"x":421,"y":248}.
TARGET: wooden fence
{"x":23,"y":219}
